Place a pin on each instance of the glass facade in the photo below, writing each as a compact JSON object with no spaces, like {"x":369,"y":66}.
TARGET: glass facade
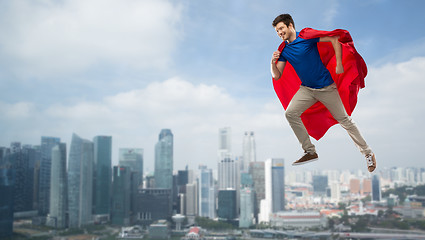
{"x":102,"y":174}
{"x":58,"y":188}
{"x":133,"y":158}
{"x":164,"y":160}
{"x":121,"y":197}
{"x":47,"y":143}
{"x":376,"y":189}
{"x":227,"y":204}
{"x":6,"y":202}
{"x":80,"y":182}
{"x":206,"y":193}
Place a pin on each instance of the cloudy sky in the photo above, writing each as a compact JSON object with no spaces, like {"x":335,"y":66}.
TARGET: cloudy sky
{"x":130,"y":68}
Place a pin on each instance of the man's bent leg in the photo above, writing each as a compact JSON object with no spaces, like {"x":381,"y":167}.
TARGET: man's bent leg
{"x":329,"y":96}
{"x":301,"y":101}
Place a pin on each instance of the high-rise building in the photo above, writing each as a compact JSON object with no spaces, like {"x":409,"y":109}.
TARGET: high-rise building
{"x":121,"y":197}
{"x":80,"y":182}
{"x":257,"y":172}
{"x":248,"y":151}
{"x":47,"y":143}
{"x":320,"y":183}
{"x":23,"y":166}
{"x":153,"y":204}
{"x":206,"y":193}
{"x":191,"y":201}
{"x":227,"y":204}
{"x":133,"y":158}
{"x":225,"y":140}
{"x":335,"y":191}
{"x":275,"y":184}
{"x":164,"y":160}
{"x":6,"y":202}
{"x":102,"y":180}
{"x":246,"y":218}
{"x":376,"y":189}
{"x":355,"y":186}
{"x":367,"y":186}
{"x":58,"y":188}
{"x":228,"y":174}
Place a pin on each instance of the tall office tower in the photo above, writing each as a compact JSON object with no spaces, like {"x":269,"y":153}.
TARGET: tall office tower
{"x":80,"y":182}
{"x":191,"y":201}
{"x":335,"y":191}
{"x":224,"y":143}
{"x":376,"y":189}
{"x":47,"y":143}
{"x":102,"y":175}
{"x":206,"y":193}
{"x":3,"y":152}
{"x":249,"y":152}
{"x":228,"y":174}
{"x":19,"y":161}
{"x":246,"y":218}
{"x":257,"y":172}
{"x":58,"y":188}
{"x":320,"y":183}
{"x":121,"y":188}
{"x":6,"y":202}
{"x":227,"y":204}
{"x":275,"y":184}
{"x":164,"y":160}
{"x":133,"y":158}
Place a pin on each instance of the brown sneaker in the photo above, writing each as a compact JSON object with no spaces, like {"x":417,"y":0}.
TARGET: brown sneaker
{"x":308,"y":157}
{"x":371,"y":162}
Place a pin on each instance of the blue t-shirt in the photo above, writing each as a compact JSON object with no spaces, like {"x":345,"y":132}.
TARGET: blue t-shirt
{"x":304,"y":56}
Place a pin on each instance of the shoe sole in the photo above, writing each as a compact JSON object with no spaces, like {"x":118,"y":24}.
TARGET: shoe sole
{"x":301,"y":163}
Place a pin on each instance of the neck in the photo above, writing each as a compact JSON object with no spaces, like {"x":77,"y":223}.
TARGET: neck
{"x":293,"y":36}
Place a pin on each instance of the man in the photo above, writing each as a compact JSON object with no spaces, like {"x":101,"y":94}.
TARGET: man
{"x":318,"y":96}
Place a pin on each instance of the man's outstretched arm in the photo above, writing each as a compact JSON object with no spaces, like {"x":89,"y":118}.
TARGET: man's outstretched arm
{"x":338,"y":52}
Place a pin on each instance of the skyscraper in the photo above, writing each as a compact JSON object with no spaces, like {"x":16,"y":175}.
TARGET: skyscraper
{"x":376,"y":189}
{"x":23,"y":166}
{"x":275,"y":184}
{"x":80,"y":182}
{"x":58,"y":188}
{"x":227,"y":204}
{"x":102,"y":175}
{"x":120,"y":212}
{"x":47,"y":143}
{"x":6,"y":202}
{"x":248,"y":151}
{"x":133,"y":158}
{"x":257,"y":172}
{"x":320,"y":183}
{"x":228,"y":174}
{"x":206,"y":193}
{"x":164,"y":160}
{"x":224,"y":143}
{"x":246,"y":218}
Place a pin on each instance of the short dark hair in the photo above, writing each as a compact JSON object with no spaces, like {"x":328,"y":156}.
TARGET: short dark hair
{"x":285,"y":18}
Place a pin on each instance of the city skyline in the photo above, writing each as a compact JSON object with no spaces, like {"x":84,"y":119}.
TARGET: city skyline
{"x":196,"y":66}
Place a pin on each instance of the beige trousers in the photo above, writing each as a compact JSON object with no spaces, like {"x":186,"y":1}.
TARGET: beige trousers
{"x":328,"y":96}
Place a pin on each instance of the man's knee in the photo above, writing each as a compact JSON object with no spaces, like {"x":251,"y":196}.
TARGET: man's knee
{"x":291,"y":114}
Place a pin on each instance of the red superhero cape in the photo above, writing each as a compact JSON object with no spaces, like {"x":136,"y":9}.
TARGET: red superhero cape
{"x":317,"y":119}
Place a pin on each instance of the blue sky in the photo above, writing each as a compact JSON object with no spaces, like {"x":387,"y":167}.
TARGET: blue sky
{"x":130,"y":68}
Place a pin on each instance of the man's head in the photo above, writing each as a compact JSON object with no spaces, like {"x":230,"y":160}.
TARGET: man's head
{"x":285,"y":27}
{"x":285,"y":18}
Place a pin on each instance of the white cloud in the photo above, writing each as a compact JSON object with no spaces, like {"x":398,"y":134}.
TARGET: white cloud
{"x":389,"y":114}
{"x":49,"y":38}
